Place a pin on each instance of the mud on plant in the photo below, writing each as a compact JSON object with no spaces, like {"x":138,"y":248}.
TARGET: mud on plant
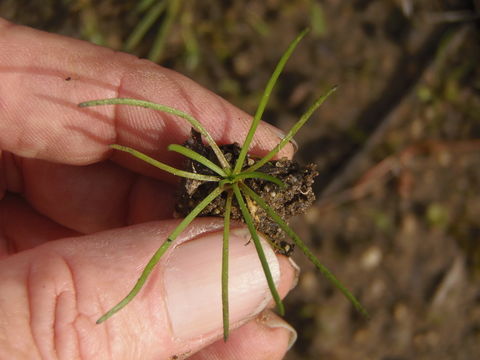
{"x":226,"y":181}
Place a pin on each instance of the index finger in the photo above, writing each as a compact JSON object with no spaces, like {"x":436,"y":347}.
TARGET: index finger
{"x":44,"y":76}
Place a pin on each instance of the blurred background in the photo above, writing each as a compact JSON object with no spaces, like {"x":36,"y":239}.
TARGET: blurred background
{"x":398,"y":147}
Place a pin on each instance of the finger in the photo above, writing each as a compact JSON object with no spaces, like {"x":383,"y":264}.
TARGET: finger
{"x":45,"y":76}
{"x":58,"y":290}
{"x":267,"y":337}
{"x":87,"y":198}
{"x":23,"y":228}
{"x":94,"y":197}
{"x":62,"y":198}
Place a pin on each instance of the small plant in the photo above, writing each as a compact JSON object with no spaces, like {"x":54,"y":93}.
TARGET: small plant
{"x":229,"y":172}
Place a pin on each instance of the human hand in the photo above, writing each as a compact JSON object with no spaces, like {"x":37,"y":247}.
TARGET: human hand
{"x":79,"y":221}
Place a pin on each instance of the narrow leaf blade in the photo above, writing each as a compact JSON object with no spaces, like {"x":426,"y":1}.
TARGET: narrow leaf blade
{"x":264,"y":100}
{"x":259,"y":248}
{"x":167,"y":109}
{"x":225,"y":249}
{"x":303,"y":119}
{"x":260,"y":175}
{"x":197,"y":157}
{"x":299,"y":243}
{"x":164,"y":167}
{"x":158,"y":254}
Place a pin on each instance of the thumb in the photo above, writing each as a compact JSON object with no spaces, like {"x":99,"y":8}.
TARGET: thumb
{"x":53,"y":294}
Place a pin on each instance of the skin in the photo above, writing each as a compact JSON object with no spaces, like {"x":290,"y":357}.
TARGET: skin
{"x":77,"y":219}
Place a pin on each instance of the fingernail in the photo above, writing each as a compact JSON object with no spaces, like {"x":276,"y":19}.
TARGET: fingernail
{"x":193,"y":283}
{"x":281,"y":135}
{"x":296,"y":275}
{"x":273,"y":321}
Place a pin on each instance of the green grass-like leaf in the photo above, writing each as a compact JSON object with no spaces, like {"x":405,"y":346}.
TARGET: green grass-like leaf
{"x":169,"y":110}
{"x":173,"y":10}
{"x":159,"y":253}
{"x":298,"y":242}
{"x":145,"y":24}
{"x":253,"y":175}
{"x":165,"y":167}
{"x":258,"y":246}
{"x":225,"y":247}
{"x":303,"y":119}
{"x":198,"y":158}
{"x":153,"y":11}
{"x":264,"y":100}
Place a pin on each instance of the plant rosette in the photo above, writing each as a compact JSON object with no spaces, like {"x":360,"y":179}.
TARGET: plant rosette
{"x":227,"y":181}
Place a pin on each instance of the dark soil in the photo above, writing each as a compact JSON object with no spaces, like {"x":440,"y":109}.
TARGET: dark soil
{"x":397,"y":149}
{"x":294,"y":198}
